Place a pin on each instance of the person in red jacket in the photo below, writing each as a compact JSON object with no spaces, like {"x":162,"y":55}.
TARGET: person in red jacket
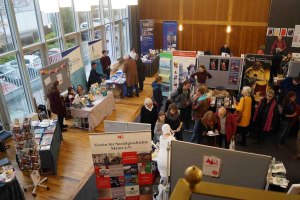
{"x":202,"y":75}
{"x":226,"y":126}
{"x":279,"y":43}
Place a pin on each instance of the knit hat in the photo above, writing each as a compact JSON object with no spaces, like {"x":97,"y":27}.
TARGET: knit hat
{"x":166,"y":129}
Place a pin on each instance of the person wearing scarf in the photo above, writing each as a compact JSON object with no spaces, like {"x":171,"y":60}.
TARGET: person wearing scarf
{"x":200,"y":107}
{"x":172,"y":118}
{"x":149,"y":114}
{"x":266,"y":116}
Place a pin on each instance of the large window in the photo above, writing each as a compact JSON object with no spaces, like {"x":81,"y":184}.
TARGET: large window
{"x":27,"y":22}
{"x":125,"y":49}
{"x":108,"y":39}
{"x":68,"y":21}
{"x":50,"y":25}
{"x":117,"y":40}
{"x":5,"y":33}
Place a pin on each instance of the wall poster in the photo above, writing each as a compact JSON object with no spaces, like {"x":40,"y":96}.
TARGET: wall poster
{"x":170,"y":34}
{"x":296,"y":37}
{"x":122,"y":163}
{"x":165,"y":71}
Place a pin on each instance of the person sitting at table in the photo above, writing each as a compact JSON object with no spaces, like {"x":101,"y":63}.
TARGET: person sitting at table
{"x":80,"y":91}
{"x":202,"y":75}
{"x":70,"y":97}
{"x":149,"y":115}
{"x":130,"y":69}
{"x":163,"y":163}
{"x":226,"y":126}
{"x":225,"y":49}
{"x":57,"y":105}
{"x":94,"y":76}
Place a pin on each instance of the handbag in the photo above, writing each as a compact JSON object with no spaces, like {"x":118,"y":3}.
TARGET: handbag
{"x":232,"y":145}
{"x":238,"y":115}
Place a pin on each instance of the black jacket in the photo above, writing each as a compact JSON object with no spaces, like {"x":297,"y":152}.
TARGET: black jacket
{"x":140,"y":69}
{"x":157,"y":93}
{"x":94,"y":78}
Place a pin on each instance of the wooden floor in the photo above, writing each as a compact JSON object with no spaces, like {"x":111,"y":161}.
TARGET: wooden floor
{"x":75,"y":160}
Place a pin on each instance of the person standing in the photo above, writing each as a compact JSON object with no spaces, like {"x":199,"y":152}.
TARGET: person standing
{"x":279,"y":43}
{"x":226,"y":126}
{"x":158,"y":126}
{"x":244,"y":107}
{"x":266,"y":116}
{"x":141,"y":71}
{"x":57,"y":105}
{"x":130,"y":69}
{"x":149,"y":115}
{"x":202,"y":75}
{"x":181,"y":97}
{"x":225,"y":49}
{"x":157,"y":93}
{"x":94,"y":76}
{"x":105,"y":62}
{"x":275,"y":67}
{"x":173,"y":119}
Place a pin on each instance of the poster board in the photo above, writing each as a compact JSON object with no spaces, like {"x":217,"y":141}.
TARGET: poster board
{"x":238,"y":168}
{"x":256,"y":73}
{"x":225,"y":71}
{"x":165,"y":71}
{"x":56,"y":71}
{"x":170,"y":34}
{"x":122,"y":163}
{"x":184,"y":64}
{"x":294,"y":69}
{"x":147,"y":35}
{"x":77,"y":70}
{"x":95,"y":53}
{"x":117,"y":126}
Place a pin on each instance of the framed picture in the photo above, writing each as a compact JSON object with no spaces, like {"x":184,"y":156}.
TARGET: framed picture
{"x":290,"y":32}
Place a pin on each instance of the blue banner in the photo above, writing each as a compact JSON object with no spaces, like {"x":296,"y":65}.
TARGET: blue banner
{"x":170,"y":34}
{"x":147,"y":35}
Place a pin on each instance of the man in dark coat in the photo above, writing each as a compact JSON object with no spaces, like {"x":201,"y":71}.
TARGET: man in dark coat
{"x":225,"y":49}
{"x":105,"y":62}
{"x":141,"y":72}
{"x":157,"y":93}
{"x":94,"y":76}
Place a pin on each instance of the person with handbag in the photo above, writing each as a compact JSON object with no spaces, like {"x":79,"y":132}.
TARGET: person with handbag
{"x":243,"y":110}
{"x":226,"y":126}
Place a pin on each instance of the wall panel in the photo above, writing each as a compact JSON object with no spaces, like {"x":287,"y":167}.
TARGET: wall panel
{"x":187,"y":37}
{"x":173,"y":9}
{"x":158,"y":32}
{"x":188,"y":10}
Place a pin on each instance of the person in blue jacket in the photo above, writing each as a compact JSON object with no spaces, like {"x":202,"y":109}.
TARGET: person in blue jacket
{"x":157,"y":93}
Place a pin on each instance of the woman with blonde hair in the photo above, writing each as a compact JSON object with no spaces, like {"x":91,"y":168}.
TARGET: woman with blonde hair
{"x":244,"y":114}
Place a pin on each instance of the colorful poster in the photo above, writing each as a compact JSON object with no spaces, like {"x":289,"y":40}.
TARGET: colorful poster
{"x":211,"y":166}
{"x":276,"y":32}
{"x":296,"y":37}
{"x":270,"y":31}
{"x":165,"y":71}
{"x":74,"y":56}
{"x":214,"y":64}
{"x":122,"y":164}
{"x":147,"y":35}
{"x":235,"y":65}
{"x":224,"y":64}
{"x":95,"y":53}
{"x":256,"y":73}
{"x":283,"y":32}
{"x":170,"y":34}
{"x":233,"y":78}
{"x":182,"y":62}
{"x":290,"y":32}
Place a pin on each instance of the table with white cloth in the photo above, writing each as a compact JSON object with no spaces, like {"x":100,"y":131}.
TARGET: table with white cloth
{"x":103,"y":106}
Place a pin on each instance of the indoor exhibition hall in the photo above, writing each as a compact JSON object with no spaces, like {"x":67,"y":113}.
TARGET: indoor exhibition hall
{"x":149,"y":99}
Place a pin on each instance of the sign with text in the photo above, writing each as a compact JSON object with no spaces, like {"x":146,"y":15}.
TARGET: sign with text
{"x":170,"y":34}
{"x":147,"y":35}
{"x":122,"y":165}
{"x":211,"y":166}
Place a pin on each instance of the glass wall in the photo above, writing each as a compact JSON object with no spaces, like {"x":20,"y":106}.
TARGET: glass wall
{"x":35,"y":31}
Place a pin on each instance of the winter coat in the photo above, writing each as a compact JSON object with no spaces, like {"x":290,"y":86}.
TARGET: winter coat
{"x":230,"y":125}
{"x":130,"y":69}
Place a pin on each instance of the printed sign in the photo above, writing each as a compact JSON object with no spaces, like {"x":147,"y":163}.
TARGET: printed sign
{"x":211,"y":166}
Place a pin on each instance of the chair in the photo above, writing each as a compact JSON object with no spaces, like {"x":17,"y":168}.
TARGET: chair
{"x":4,"y":135}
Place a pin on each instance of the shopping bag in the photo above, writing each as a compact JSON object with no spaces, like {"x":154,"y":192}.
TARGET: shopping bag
{"x":232,"y":145}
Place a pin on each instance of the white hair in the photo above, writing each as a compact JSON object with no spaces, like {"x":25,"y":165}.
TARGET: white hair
{"x":246,"y":91}
{"x":126,"y":57}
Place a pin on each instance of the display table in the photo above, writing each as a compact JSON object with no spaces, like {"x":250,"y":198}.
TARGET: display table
{"x":103,"y":107}
{"x":49,"y":156}
{"x":11,"y":190}
{"x":151,"y":66}
{"x":118,"y":80}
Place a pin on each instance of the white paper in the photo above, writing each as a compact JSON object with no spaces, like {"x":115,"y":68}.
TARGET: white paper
{"x":211,"y":166}
{"x":296,"y":37}
{"x":47,"y":81}
{"x":59,"y":78}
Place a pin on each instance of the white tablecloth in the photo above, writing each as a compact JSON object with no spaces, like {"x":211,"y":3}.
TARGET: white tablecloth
{"x":102,"y":108}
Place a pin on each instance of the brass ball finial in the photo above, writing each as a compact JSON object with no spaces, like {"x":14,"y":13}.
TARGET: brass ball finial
{"x":193,"y":175}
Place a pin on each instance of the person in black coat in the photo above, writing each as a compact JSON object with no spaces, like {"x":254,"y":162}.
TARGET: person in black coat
{"x":225,"y":49}
{"x":276,"y":61}
{"x":149,"y":115}
{"x":157,"y":93}
{"x":173,"y":119}
{"x":141,"y":71}
{"x":94,"y":76}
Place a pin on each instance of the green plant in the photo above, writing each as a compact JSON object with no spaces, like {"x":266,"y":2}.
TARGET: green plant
{"x":7,"y":58}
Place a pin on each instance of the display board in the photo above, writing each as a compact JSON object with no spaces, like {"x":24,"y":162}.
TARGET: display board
{"x":122,"y":163}
{"x":225,"y":71}
{"x":170,"y":34}
{"x":294,"y":69}
{"x":236,"y":168}
{"x":165,"y":71}
{"x":57,"y":71}
{"x":184,"y":63}
{"x":95,"y":52}
{"x":147,"y":35}
{"x":256,"y":73}
{"x":77,"y":70}
{"x":116,"y":126}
